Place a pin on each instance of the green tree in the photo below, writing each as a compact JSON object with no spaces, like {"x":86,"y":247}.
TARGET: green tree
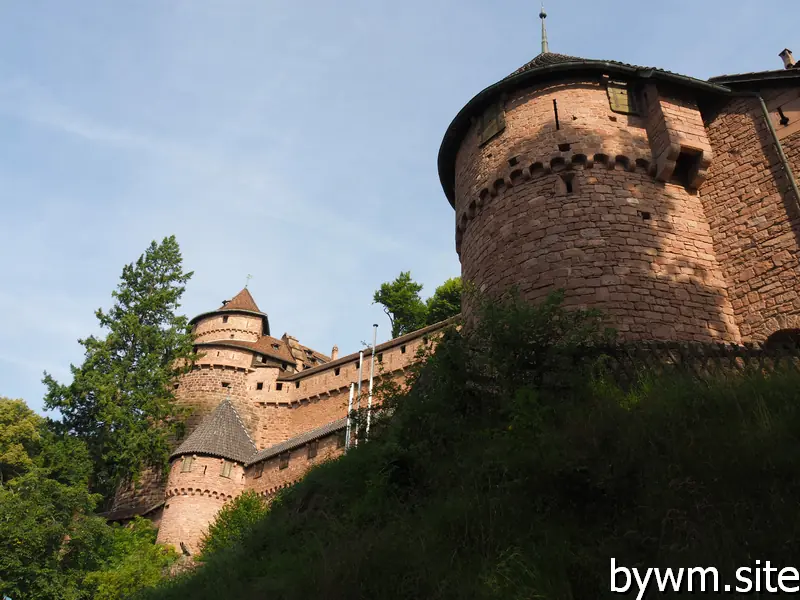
{"x":445,"y":302}
{"x":233,"y":522}
{"x":401,"y":302}
{"x":407,"y":311}
{"x":20,"y":434}
{"x":120,"y":400}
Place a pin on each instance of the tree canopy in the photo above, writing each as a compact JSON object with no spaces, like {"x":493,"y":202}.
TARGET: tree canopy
{"x":407,"y":311}
{"x":120,"y":401}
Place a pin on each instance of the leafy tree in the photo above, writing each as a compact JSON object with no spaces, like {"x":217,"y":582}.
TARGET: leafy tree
{"x":135,"y":562}
{"x":19,"y":436}
{"x":445,"y":302}
{"x":120,"y":400}
{"x":406,"y":310}
{"x":52,"y":546}
{"x":233,"y":522}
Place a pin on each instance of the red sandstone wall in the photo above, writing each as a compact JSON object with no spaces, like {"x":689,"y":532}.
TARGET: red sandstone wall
{"x":754,"y":220}
{"x":273,"y":478}
{"x":655,"y":277}
{"x":194,"y":498}
{"x":245,"y":328}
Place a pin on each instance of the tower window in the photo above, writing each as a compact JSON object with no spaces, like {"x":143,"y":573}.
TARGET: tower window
{"x":284,"y":460}
{"x":297,"y":384}
{"x":260,"y":385}
{"x":226,"y":469}
{"x":225,"y":319}
{"x":380,"y":358}
{"x":276,"y":347}
{"x":621,"y":98}
{"x":226,"y":384}
{"x":312,"y":449}
{"x":279,"y":386}
{"x":336,"y":371}
{"x":686,"y":167}
{"x":493,"y":121}
{"x":187,"y":464}
{"x":402,"y":349}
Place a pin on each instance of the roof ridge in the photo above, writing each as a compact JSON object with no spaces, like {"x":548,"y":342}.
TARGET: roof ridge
{"x":239,"y":418}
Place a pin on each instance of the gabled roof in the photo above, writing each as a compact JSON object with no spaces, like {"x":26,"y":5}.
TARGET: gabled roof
{"x":299,"y":440}
{"x":241,"y":301}
{"x":221,"y":434}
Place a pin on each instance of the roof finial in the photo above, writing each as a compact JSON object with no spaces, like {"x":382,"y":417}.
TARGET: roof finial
{"x":249,"y":277}
{"x":543,"y":16}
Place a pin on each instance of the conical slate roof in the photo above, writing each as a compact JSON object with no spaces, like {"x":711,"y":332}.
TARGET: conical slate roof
{"x":545,"y":59}
{"x":220,"y":434}
{"x":241,"y":301}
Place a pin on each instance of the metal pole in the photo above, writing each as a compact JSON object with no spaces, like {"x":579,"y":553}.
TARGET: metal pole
{"x":349,"y":420}
{"x":371,"y":375}
{"x":360,"y":376}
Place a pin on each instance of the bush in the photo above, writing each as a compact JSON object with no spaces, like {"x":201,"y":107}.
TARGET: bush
{"x":512,"y":470}
{"x":233,"y":522}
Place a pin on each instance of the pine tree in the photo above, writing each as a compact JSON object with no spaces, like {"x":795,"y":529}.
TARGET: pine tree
{"x":120,"y":401}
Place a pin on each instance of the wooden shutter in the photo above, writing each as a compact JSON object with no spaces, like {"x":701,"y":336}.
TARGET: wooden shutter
{"x":621,"y":98}
{"x":226,"y":468}
{"x":492,"y":122}
{"x":187,"y":464}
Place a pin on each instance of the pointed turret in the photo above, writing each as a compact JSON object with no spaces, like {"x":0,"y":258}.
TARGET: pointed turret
{"x":221,"y":434}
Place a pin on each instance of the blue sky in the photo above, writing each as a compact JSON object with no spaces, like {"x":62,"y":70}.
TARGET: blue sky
{"x":294,"y":141}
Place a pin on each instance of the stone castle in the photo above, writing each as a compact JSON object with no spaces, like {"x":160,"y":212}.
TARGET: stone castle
{"x":668,"y":202}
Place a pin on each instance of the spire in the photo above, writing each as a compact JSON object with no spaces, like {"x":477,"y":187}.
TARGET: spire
{"x":543,"y":16}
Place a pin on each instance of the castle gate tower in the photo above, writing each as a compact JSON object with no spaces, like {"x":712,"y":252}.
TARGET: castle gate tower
{"x":584,"y":175}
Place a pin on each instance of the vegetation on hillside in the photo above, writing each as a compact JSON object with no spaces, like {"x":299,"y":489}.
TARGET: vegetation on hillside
{"x":52,"y":546}
{"x":511,"y":470}
{"x":117,"y":416}
{"x":407,"y":311}
{"x":120,"y":401}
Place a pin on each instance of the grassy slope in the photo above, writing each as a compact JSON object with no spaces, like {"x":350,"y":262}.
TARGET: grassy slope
{"x":525,"y":488}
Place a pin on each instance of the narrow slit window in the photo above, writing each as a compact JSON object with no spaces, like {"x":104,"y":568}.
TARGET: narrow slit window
{"x":555,"y":112}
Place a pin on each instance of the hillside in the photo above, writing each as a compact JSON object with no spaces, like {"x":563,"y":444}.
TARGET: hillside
{"x":515,"y":467}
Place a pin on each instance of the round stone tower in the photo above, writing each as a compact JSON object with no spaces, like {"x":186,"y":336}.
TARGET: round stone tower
{"x":205,"y":472}
{"x":583,"y":175}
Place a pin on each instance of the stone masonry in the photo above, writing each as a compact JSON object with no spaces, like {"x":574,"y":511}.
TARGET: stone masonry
{"x":661,"y":199}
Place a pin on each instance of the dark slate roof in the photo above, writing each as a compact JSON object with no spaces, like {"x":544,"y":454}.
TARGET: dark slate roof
{"x":299,"y":440}
{"x":220,"y":434}
{"x":546,"y":59}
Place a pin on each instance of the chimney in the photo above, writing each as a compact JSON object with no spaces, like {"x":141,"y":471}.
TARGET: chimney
{"x":788,"y":59}
{"x":335,"y":353}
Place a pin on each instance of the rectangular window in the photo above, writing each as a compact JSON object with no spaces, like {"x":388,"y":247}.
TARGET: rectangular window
{"x":622,"y":98}
{"x":226,"y":469}
{"x":259,"y":469}
{"x":336,"y":371}
{"x":260,"y":385}
{"x":312,"y":449}
{"x":279,"y":386}
{"x":187,"y":464}
{"x":380,"y":358}
{"x":492,"y":123}
{"x":284,"y":460}
{"x":297,"y":384}
{"x":402,"y":349}
{"x":226,"y":384}
{"x":224,"y":319}
{"x":340,"y":438}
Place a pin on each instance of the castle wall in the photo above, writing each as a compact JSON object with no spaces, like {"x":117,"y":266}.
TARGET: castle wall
{"x":194,"y":498}
{"x":136,"y":498}
{"x":753,"y":217}
{"x":231,"y":326}
{"x":619,"y":240}
{"x":272,"y":478}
